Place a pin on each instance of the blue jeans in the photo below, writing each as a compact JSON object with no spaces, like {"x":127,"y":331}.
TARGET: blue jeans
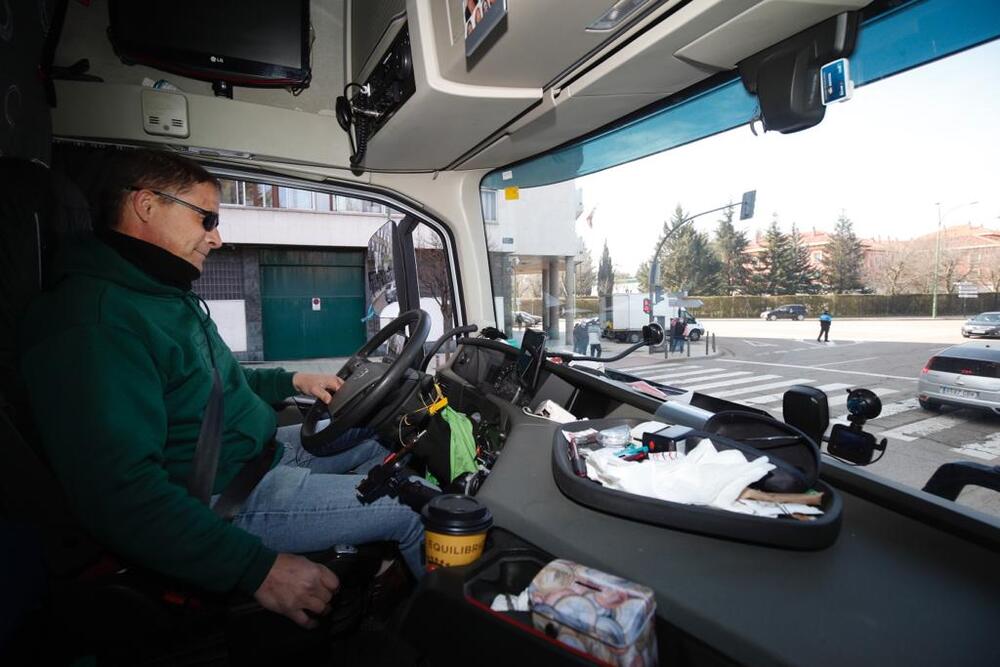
{"x":307,"y":503}
{"x":677,"y":343}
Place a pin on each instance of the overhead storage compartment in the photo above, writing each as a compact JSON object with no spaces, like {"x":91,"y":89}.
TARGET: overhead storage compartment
{"x":500,"y":105}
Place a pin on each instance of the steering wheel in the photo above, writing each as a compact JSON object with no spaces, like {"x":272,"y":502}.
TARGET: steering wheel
{"x":367,"y":383}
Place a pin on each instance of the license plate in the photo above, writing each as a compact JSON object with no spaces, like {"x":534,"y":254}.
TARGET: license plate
{"x":961,"y":393}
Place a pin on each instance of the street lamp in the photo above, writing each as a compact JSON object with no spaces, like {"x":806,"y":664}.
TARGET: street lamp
{"x":746,"y":212}
{"x":937,"y":251}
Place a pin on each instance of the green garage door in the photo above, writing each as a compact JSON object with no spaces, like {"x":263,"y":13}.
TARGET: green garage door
{"x":312,"y":302}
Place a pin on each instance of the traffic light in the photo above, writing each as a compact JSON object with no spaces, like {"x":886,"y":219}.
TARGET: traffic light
{"x":646,"y":307}
{"x":748,"y":204}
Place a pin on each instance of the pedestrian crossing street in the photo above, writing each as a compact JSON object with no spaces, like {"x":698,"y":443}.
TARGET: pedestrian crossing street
{"x":765,"y":391}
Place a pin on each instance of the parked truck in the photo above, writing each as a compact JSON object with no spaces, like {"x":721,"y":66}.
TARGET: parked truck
{"x":626,"y":314}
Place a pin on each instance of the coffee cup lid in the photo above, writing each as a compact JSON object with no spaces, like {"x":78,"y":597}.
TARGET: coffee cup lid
{"x":456,"y":514}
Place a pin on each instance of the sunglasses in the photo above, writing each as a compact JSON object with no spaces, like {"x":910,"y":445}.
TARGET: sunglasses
{"x":209,"y":219}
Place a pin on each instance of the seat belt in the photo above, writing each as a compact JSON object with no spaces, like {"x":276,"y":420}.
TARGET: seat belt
{"x":205,"y":464}
{"x":246,"y":480}
{"x":206,"y":461}
{"x":206,"y":452}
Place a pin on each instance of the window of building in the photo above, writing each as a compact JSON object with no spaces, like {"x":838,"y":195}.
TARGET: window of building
{"x":348,"y":204}
{"x":489,"y":199}
{"x":295,"y":198}
{"x":231,"y":192}
{"x":259,"y":194}
{"x":221,"y":277}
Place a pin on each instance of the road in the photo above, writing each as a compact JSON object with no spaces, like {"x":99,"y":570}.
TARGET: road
{"x":756,"y":370}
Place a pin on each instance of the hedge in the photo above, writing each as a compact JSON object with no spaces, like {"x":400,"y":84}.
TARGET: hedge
{"x":841,"y":305}
{"x":849,"y":305}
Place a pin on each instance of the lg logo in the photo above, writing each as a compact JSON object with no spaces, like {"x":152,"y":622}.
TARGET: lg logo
{"x":216,"y":59}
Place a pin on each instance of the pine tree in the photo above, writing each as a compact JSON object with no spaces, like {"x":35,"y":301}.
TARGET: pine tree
{"x":730,"y":247}
{"x":802,"y":276}
{"x":774,"y":264}
{"x":843,"y":258}
{"x":586,"y":276}
{"x":605,"y":273}
{"x":687,"y":261}
{"x":691,"y":264}
{"x":642,"y":275}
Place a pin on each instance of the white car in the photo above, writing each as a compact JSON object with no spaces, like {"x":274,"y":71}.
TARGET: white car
{"x":966,"y":375}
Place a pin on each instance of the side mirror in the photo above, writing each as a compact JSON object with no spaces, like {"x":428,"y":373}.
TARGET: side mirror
{"x":652,"y":334}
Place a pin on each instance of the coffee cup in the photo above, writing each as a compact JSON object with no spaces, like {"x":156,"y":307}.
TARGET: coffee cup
{"x":455,"y":528}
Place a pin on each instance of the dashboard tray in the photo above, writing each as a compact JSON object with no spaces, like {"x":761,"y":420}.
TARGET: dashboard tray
{"x":785,"y":533}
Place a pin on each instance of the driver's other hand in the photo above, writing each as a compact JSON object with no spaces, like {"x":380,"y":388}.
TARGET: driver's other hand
{"x":294,"y":586}
{"x":320,"y":385}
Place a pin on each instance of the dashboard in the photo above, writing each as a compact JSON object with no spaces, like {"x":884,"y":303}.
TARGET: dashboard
{"x":878,"y":603}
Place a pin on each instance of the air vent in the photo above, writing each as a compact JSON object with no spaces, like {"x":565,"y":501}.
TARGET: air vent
{"x":164,"y":113}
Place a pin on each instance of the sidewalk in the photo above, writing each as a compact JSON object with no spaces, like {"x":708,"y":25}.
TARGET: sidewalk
{"x":697,"y":349}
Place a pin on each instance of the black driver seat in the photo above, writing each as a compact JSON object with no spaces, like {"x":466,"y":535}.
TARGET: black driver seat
{"x":91,"y":603}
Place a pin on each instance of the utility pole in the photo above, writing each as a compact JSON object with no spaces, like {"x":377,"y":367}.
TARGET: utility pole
{"x":937,"y":263}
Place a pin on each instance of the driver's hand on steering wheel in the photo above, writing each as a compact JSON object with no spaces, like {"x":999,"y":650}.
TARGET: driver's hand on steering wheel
{"x":318,"y":385}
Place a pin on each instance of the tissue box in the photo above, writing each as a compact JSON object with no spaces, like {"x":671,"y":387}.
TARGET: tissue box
{"x":605,"y":616}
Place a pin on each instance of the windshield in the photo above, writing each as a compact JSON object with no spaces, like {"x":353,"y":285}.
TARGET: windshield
{"x":876,"y":235}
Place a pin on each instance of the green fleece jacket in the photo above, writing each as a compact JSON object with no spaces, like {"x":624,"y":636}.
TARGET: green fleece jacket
{"x":119,"y":373}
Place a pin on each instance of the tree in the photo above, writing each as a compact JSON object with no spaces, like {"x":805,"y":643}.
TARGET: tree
{"x":586,"y":276}
{"x":642,"y":275}
{"x":953,"y":270}
{"x":730,"y":247}
{"x":605,"y":273}
{"x":773,"y":266}
{"x":843,"y":258}
{"x":993,"y":276}
{"x":687,"y":261}
{"x":894,"y":268}
{"x":691,"y":264}
{"x":434,"y":276}
{"x":802,"y":277}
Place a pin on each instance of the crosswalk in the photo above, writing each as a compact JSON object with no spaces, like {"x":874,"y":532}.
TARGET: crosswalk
{"x":766,"y":391}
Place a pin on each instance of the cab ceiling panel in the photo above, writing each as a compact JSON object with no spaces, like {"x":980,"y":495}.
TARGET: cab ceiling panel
{"x":699,"y":39}
{"x":544,"y":78}
{"x":458,"y":102}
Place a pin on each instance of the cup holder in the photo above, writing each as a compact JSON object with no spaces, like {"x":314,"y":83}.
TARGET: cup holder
{"x":508,"y":574}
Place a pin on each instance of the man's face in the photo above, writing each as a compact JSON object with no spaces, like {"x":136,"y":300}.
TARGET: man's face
{"x":179,"y":229}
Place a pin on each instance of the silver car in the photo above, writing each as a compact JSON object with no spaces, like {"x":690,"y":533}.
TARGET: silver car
{"x":983,"y":324}
{"x":966,"y":375}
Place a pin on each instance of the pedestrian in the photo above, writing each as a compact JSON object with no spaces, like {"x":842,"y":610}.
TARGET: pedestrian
{"x":594,"y":338}
{"x":677,"y":329}
{"x":579,"y":339}
{"x":824,"y":326}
